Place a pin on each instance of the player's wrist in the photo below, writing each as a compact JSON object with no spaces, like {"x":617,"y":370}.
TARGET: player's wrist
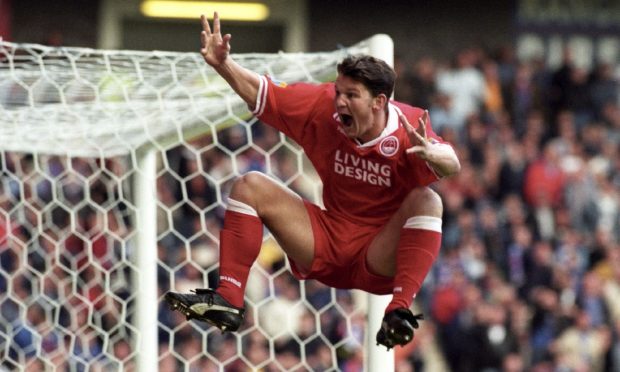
{"x":223,"y":65}
{"x":442,"y":158}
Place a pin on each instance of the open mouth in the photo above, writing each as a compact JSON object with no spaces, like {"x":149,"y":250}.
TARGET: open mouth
{"x":347,"y":120}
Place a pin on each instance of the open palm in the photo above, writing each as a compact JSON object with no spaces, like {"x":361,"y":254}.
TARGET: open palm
{"x":214,"y":47}
{"x":420,"y":144}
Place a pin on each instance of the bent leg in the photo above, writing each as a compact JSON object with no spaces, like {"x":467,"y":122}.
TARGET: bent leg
{"x":256,"y":199}
{"x":408,"y":245}
{"x":282,"y":211}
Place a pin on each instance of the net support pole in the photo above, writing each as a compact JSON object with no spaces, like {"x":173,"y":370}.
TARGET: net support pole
{"x":145,"y":315}
{"x":378,"y":358}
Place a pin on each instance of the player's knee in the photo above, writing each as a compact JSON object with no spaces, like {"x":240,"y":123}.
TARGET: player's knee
{"x":423,"y":201}
{"x":247,"y":186}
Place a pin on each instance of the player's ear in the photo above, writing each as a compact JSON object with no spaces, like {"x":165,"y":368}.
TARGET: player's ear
{"x":380,"y":101}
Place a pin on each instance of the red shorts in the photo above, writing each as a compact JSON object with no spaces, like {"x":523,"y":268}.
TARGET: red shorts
{"x":340,"y":254}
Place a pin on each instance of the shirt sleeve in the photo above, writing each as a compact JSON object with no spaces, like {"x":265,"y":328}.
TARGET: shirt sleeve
{"x":422,"y":172}
{"x":288,"y":108}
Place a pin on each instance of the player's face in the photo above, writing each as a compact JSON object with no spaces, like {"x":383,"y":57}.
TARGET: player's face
{"x":357,"y":109}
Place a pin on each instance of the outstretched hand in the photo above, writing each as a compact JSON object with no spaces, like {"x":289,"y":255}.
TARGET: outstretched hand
{"x":420,"y":145}
{"x":215,"y":48}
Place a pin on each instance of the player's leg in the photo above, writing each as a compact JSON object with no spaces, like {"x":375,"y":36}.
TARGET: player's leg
{"x":255,"y":199}
{"x":406,"y":248}
{"x":381,"y":255}
{"x":282,"y":211}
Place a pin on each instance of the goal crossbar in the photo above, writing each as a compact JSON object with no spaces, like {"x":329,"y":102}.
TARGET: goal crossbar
{"x":100,"y":103}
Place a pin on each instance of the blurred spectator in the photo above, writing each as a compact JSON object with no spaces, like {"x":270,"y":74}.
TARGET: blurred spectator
{"x":539,"y":267}
{"x":604,"y":88}
{"x":524,"y":96}
{"x":591,"y":300}
{"x":493,"y":240}
{"x":544,"y":179}
{"x":560,"y":79}
{"x":614,"y":362}
{"x":423,"y":82}
{"x":512,"y":172}
{"x":518,"y":253}
{"x":403,"y":86}
{"x":492,"y":337}
{"x":545,"y":323}
{"x":582,"y":346}
{"x":493,"y":93}
{"x":464,"y":84}
{"x":443,"y":118}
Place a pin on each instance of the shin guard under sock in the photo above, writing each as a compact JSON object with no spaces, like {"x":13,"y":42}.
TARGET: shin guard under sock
{"x":418,"y":248}
{"x":240,"y":243}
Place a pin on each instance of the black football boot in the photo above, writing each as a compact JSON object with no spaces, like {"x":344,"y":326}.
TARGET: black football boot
{"x":397,"y":328}
{"x":208,"y":306}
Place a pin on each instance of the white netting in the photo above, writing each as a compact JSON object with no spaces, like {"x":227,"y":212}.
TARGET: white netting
{"x":73,"y":123}
{"x":85,"y":102}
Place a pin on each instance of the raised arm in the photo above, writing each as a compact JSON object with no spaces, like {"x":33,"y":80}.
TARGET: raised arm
{"x":215,"y":50}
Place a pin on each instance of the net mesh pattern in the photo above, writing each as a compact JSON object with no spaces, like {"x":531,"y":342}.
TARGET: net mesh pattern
{"x":73,"y":123}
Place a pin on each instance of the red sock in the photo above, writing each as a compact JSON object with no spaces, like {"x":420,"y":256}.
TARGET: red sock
{"x":240,"y":243}
{"x":417,"y":250}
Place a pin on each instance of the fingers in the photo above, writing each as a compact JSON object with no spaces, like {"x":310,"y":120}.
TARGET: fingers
{"x":206,"y":33}
{"x":216,"y":23}
{"x":424,"y":118}
{"x":422,"y":123}
{"x":203,"y":40}
{"x":406,"y":124}
{"x":421,"y":145}
{"x":412,"y":132}
{"x":419,"y":151}
{"x":205,"y":25}
{"x":420,"y":137}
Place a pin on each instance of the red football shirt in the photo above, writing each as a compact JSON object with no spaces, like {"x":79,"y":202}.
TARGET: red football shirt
{"x":364,"y":183}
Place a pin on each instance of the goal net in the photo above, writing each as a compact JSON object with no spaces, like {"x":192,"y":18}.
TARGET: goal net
{"x":114,"y":171}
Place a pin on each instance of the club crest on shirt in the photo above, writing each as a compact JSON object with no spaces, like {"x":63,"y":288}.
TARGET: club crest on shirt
{"x":388,"y":146}
{"x":277,"y":82}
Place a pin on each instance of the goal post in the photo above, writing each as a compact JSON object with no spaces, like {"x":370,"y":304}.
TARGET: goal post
{"x":147,"y":298}
{"x":380,"y":46}
{"x":91,"y":142}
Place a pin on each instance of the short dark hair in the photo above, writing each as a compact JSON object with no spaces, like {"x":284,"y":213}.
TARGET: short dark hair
{"x":373,"y":72}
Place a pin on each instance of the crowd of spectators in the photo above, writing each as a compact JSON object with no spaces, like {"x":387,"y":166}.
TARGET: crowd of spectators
{"x":529,"y":272}
{"x":528,"y":278}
